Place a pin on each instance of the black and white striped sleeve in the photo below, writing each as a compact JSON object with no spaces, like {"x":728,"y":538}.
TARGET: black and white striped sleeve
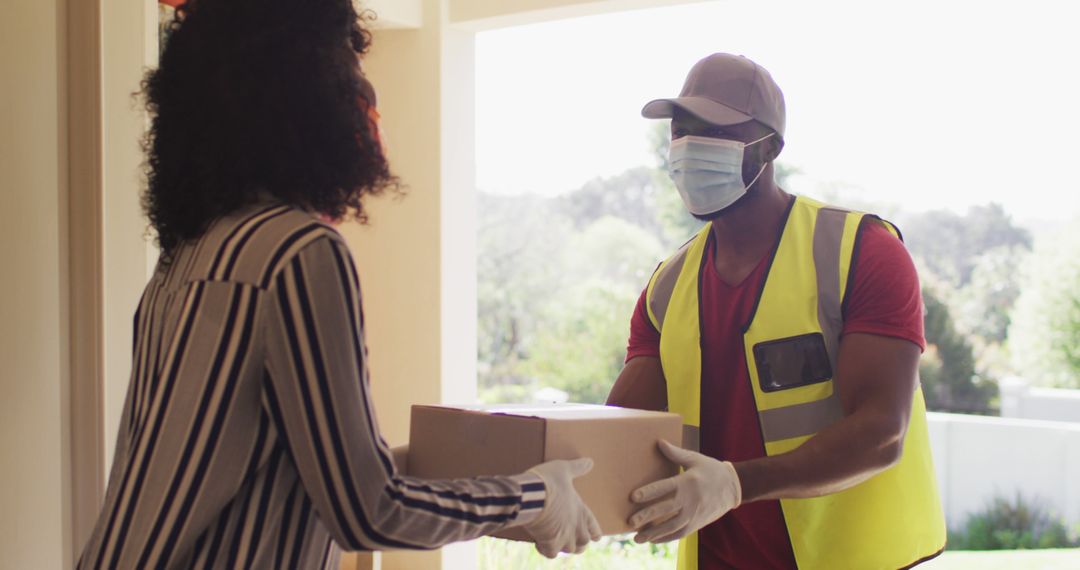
{"x":317,"y":394}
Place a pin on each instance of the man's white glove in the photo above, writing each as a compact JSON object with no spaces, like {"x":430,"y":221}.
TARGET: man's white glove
{"x":702,"y":493}
{"x":565,"y":524}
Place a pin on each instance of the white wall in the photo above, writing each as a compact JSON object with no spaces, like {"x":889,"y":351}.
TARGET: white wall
{"x":129,"y":32}
{"x":417,"y":257}
{"x":34,"y":526}
{"x":978,"y":457}
{"x":395,"y":14}
{"x":488,"y":14}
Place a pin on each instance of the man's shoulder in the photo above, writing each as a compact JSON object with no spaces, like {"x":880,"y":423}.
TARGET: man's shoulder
{"x":878,"y":235}
{"x":881,"y":260}
{"x":668,"y":270}
{"x":871,"y":225}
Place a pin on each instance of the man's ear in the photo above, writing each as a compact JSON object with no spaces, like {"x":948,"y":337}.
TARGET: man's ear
{"x":776,"y":144}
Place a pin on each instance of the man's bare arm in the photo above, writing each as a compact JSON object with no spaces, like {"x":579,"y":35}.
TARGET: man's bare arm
{"x":640,"y":385}
{"x":876,"y":378}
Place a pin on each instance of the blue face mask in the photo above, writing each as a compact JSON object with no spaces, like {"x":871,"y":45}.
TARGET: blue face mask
{"x":708,"y":172}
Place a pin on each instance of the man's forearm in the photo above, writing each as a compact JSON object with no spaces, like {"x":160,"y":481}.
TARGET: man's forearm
{"x":640,"y":385}
{"x":840,"y":456}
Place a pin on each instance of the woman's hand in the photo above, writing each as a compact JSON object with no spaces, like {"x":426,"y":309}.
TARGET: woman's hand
{"x":566,"y":524}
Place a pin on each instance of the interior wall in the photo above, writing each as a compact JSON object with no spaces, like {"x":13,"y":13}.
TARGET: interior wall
{"x":395,"y":14}
{"x":85,"y":283}
{"x":417,"y":255}
{"x":129,"y":31}
{"x":33,"y":308}
{"x":397,"y":254}
{"x":488,"y":14}
{"x":458,"y":215}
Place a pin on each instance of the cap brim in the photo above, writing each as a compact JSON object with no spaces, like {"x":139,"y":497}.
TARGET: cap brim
{"x":702,"y":108}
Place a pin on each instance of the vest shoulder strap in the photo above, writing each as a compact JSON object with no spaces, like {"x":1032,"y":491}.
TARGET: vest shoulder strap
{"x":663,"y":280}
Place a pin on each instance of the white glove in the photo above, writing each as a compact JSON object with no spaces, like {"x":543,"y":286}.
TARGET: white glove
{"x":702,"y":493}
{"x":565,"y":524}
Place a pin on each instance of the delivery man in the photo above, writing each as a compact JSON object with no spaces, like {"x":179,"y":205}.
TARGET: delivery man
{"x":787,"y":333}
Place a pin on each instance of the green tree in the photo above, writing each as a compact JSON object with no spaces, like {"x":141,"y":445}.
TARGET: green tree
{"x":613,"y":251}
{"x":970,"y":263}
{"x":583,"y":349}
{"x":1045,"y":332}
{"x":582,"y":346}
{"x":631,"y":196}
{"x":518,"y":237}
{"x":554,"y":302}
{"x":951,"y":244}
{"x":984,"y":304}
{"x":947,"y":369}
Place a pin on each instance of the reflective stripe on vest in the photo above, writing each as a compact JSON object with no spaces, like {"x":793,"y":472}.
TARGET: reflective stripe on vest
{"x":889,"y":521}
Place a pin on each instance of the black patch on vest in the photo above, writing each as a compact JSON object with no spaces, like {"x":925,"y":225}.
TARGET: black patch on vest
{"x":792,"y":362}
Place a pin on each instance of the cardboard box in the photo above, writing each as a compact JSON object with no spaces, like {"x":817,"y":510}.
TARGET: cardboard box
{"x":470,"y":441}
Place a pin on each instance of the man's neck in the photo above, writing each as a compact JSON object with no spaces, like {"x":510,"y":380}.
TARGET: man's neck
{"x":752,"y":224}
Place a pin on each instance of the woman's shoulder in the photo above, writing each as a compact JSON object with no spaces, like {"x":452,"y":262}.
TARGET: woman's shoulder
{"x":251,"y":244}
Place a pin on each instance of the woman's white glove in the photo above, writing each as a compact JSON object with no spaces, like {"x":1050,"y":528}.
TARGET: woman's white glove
{"x":702,"y":493}
{"x":565,"y":524}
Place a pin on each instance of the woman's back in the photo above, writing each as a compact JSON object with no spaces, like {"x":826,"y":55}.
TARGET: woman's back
{"x":196,"y":460}
{"x":248,"y":362}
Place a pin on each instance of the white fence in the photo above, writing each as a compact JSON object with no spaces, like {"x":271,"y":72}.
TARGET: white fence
{"x":978,"y":457}
{"x":1020,"y":400}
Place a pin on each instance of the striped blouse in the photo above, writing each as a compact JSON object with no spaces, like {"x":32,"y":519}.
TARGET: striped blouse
{"x":247,"y":438}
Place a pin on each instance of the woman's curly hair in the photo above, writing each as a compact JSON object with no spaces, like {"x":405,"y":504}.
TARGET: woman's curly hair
{"x":259,"y":97}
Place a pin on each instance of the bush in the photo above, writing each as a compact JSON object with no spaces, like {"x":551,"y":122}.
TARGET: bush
{"x":949,"y":379}
{"x":1022,"y":523}
{"x":610,"y":552}
{"x":583,"y":349}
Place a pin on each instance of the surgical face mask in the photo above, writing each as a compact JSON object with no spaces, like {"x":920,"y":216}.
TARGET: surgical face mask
{"x":708,"y":172}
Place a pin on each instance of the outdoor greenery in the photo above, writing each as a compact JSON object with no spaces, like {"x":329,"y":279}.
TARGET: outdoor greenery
{"x":970,"y":285}
{"x":1019,"y":523}
{"x":559,"y":278}
{"x":496,"y":554}
{"x":1046,"y":332}
{"x":948,"y":372}
{"x":610,"y":552}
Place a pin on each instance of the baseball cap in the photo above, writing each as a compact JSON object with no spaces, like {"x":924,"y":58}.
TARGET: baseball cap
{"x":726,"y":89}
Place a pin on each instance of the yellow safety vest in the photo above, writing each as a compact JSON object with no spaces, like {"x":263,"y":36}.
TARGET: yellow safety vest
{"x":892,"y":520}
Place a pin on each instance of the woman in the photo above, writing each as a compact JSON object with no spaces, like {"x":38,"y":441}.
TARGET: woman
{"x":248,"y":438}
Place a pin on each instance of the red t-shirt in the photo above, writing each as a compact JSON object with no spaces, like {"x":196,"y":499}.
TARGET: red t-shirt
{"x":884,"y":299}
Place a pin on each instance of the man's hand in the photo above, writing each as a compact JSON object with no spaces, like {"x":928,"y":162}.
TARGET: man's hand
{"x":565,"y":524}
{"x":703,"y":492}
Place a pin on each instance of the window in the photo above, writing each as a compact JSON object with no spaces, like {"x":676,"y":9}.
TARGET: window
{"x":954,"y":120}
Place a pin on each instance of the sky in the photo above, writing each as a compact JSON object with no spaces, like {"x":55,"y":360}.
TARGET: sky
{"x":926,"y":104}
